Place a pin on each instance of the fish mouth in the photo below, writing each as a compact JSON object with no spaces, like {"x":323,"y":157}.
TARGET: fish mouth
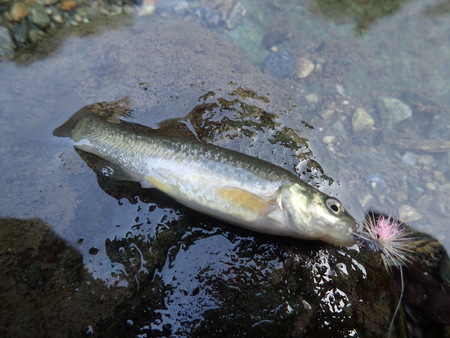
{"x":342,"y":239}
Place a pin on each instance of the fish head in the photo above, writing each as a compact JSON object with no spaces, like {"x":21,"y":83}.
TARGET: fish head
{"x":315,"y":215}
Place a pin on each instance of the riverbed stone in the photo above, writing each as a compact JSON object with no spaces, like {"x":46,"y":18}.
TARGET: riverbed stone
{"x":6,"y":44}
{"x":38,"y":15}
{"x":392,"y":111}
{"x":362,"y":121}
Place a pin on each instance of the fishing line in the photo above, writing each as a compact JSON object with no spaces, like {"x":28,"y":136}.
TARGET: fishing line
{"x":397,"y":309}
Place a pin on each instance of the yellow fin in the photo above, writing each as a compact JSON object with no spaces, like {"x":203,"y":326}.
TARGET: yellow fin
{"x":152,"y":182}
{"x":245,"y":199}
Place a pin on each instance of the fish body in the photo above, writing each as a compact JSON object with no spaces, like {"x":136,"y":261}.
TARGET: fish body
{"x":219,"y":182}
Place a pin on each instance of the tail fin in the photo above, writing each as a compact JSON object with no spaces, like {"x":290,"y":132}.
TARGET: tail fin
{"x":110,"y":111}
{"x":66,"y":129}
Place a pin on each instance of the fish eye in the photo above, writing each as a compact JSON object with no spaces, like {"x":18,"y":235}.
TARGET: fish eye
{"x":333,"y":205}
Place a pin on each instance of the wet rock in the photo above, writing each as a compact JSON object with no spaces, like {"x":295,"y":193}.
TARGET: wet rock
{"x":304,"y":68}
{"x":19,"y":10}
{"x":362,"y":121}
{"x":392,"y":111}
{"x":20,"y":32}
{"x":43,"y":285}
{"x":38,"y":16}
{"x":35,"y":35}
{"x":57,"y":17}
{"x":69,"y":5}
{"x":425,"y":282}
{"x":280,"y":64}
{"x":6,"y":44}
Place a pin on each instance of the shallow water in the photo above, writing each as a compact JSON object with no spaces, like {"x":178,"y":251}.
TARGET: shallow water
{"x":395,"y":167}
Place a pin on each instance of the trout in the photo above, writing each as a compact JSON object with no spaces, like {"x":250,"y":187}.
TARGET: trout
{"x":222,"y":183}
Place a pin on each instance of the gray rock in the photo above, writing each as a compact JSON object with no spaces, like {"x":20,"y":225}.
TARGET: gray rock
{"x":337,"y":129}
{"x":6,"y":44}
{"x":393,"y":111}
{"x":362,"y":121}
{"x":20,"y":32}
{"x":38,"y":16}
{"x":281,"y":64}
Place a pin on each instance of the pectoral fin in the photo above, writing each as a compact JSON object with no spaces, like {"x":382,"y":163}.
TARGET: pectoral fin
{"x":246,"y":200}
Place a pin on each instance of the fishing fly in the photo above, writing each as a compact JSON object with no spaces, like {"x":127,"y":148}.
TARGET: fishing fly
{"x":389,"y":237}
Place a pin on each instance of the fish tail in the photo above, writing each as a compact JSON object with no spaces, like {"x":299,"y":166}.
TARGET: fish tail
{"x":70,"y":127}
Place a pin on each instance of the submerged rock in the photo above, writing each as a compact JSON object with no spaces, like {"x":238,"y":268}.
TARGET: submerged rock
{"x":38,"y":15}
{"x":171,"y":271}
{"x":362,"y":121}
{"x":280,"y":64}
{"x":392,"y":111}
{"x":6,"y":44}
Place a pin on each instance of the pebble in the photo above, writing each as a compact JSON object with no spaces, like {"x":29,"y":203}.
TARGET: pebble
{"x":69,"y":5}
{"x":19,"y":10}
{"x":426,"y":160}
{"x":340,"y":89}
{"x":327,"y":113}
{"x":58,"y":18}
{"x":117,"y":10}
{"x":20,"y":32}
{"x":392,"y":111}
{"x":376,"y":182}
{"x":362,"y":121}
{"x":407,"y":214}
{"x":312,"y":98}
{"x":35,"y":35}
{"x":128,"y":10}
{"x":147,"y":9}
{"x":304,"y":68}
{"x":329,"y":139}
{"x":410,"y":158}
{"x":6,"y":44}
{"x":281,"y":64}
{"x":439,"y":176}
{"x":38,"y":15}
